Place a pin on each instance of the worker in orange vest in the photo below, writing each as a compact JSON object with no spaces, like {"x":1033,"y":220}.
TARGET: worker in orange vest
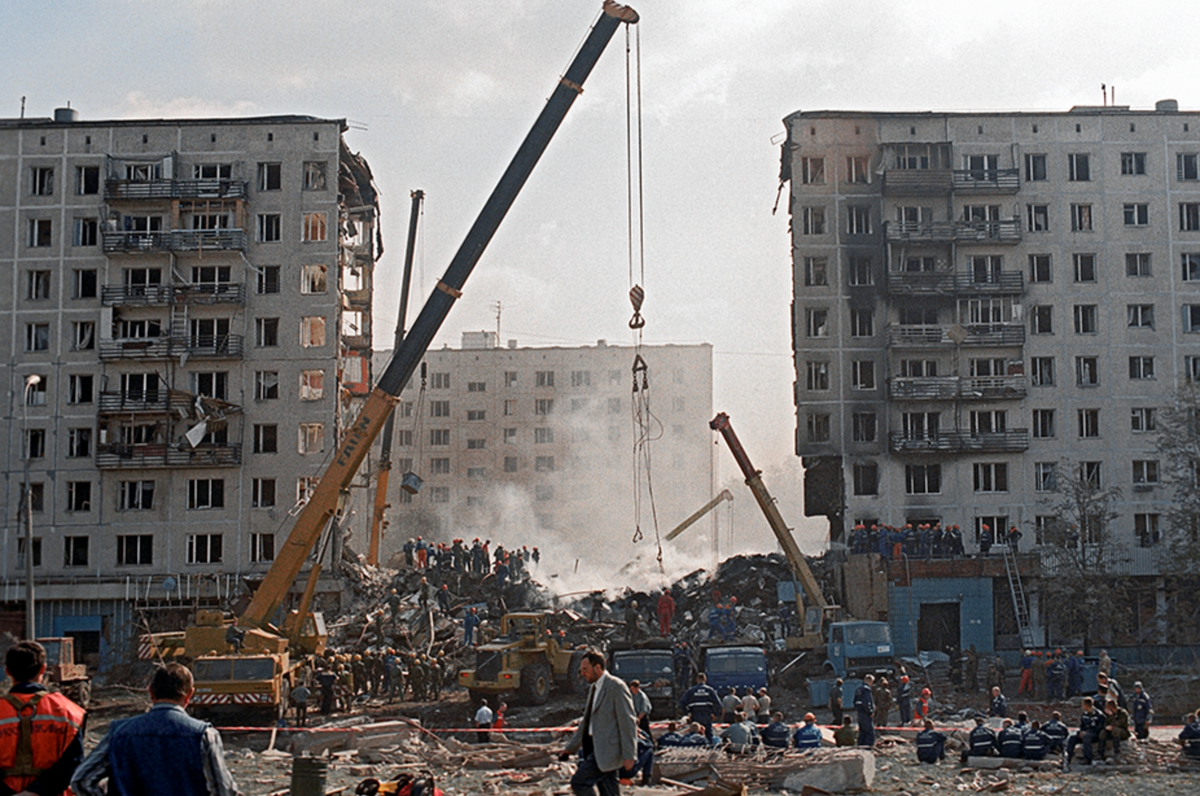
{"x":666,"y":611}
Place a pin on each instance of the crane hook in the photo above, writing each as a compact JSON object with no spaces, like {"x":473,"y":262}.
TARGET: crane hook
{"x":636,"y":296}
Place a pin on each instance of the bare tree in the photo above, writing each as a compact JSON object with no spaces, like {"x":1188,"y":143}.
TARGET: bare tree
{"x":1178,"y":427}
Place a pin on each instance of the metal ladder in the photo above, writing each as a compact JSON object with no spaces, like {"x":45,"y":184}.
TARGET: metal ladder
{"x":1020,"y":604}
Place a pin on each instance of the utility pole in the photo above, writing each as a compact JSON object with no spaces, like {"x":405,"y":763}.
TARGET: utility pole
{"x":31,"y":381}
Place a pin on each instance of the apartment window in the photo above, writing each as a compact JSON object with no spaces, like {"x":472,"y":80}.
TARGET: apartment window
{"x":544,"y":378}
{"x":312,"y":332}
{"x":1085,"y":267}
{"x":1189,"y":217}
{"x":1145,"y":471}
{"x":1136,"y":215}
{"x":1191,"y":268}
{"x":865,"y":426}
{"x":1081,"y":218}
{"x":510,"y":464}
{"x":262,"y":493}
{"x":510,"y":436}
{"x":40,"y":232}
{"x":543,"y":464}
{"x":78,"y":496}
{"x":314,"y":175}
{"x":989,"y":421}
{"x":1137,"y":264}
{"x":439,"y":381}
{"x":87,"y":232}
{"x":306,"y":485}
{"x":1089,"y":473}
{"x":862,"y":375}
{"x":206,"y":493}
{"x":812,"y":171}
{"x":1039,"y":268}
{"x":1087,"y":371}
{"x":866,"y":479}
{"x":510,"y":379}
{"x":270,"y":176}
{"x":1085,"y":318}
{"x":37,"y":549}
{"x":1079,"y":167}
{"x":858,"y":169}
{"x":481,"y":386}
{"x":1041,"y":371}
{"x":816,"y":323}
{"x":204,"y":548}
{"x":1133,"y":163}
{"x":543,"y":436}
{"x":920,"y":425}
{"x":1143,"y":419}
{"x":83,"y":335}
{"x":85,"y":283}
{"x":1191,"y":318}
{"x":1041,"y":319}
{"x":35,"y":443}
{"x":313,"y":227}
{"x":439,"y":437}
{"x":858,"y":220}
{"x":543,"y":492}
{"x":476,"y":444}
{"x":42,"y":183}
{"x":922,"y":479}
{"x":543,"y":406}
{"x":313,"y":279}
{"x":79,"y":388}
{"x":79,"y":443}
{"x":87,"y":180}
{"x":1035,"y":168}
{"x":268,"y":280}
{"x":439,"y":466}
{"x":75,"y":550}
{"x":311,"y":438}
{"x":262,"y":547}
{"x":1140,"y":316}
{"x":476,"y":474}
{"x":211,"y":384}
{"x":812,"y":221}
{"x":1141,"y":367}
{"x":266,"y":385}
{"x":266,"y":332}
{"x":861,"y":272}
{"x":991,"y":477}
{"x":1186,"y":166}
{"x":135,"y":549}
{"x":818,"y":375}
{"x":918,"y":368}
{"x":37,"y":337}
{"x":816,"y":271}
{"x":1037,"y":218}
{"x":1089,"y":423}
{"x":1044,"y":476}
{"x":818,"y":428}
{"x":266,"y":438}
{"x":862,"y":323}
{"x":1145,"y":527}
{"x":269,"y":228}
{"x":1043,"y":423}
{"x":510,"y":407}
{"x":439,"y":408}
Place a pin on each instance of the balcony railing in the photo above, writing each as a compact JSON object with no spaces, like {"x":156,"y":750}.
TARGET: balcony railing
{"x":148,"y":401}
{"x":1011,"y":441}
{"x":117,"y":190}
{"x":974,"y":334}
{"x":228,"y":346}
{"x":987,"y":180}
{"x":962,"y":232}
{"x":950,"y":388}
{"x":163,"y":295}
{"x":917,"y":182}
{"x":176,"y":240}
{"x":950,"y":284}
{"x":122,"y":457}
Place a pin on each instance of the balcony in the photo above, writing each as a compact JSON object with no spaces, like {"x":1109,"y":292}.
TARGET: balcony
{"x":129,"y":190}
{"x":936,"y":336}
{"x":987,"y":181}
{"x":143,"y":401}
{"x":176,"y":240}
{"x":229,"y":346}
{"x":933,"y":283}
{"x":1001,"y":231}
{"x":1011,"y":441}
{"x":917,"y":182}
{"x":128,"y":457}
{"x":165,"y":295}
{"x":950,"y":388}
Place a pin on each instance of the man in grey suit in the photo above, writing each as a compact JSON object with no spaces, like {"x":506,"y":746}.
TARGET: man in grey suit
{"x":607,"y":737}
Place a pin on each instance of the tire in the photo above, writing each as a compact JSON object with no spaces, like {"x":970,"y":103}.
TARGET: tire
{"x":83,"y":693}
{"x":535,"y":684}
{"x":575,"y":682}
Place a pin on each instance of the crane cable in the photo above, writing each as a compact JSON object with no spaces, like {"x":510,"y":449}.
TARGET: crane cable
{"x":646,"y":427}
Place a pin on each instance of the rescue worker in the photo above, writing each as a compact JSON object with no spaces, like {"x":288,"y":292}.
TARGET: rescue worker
{"x":741,"y":735}
{"x":1091,"y":722}
{"x":299,"y":699}
{"x":808,"y":734}
{"x":1056,"y":676}
{"x":922,"y":711}
{"x":672,"y":737}
{"x":1116,"y":728}
{"x":39,"y":756}
{"x":1143,"y":711}
{"x":701,"y":702}
{"x":883,"y":702}
{"x":845,"y":735}
{"x":981,"y":742}
{"x":327,"y":681}
{"x":1057,"y":732}
{"x":998,"y":708}
{"x":931,"y":744}
{"x":864,"y":705}
{"x":470,"y":622}
{"x":730,"y":705}
{"x":1036,"y":743}
{"x":904,"y":699}
{"x":1009,"y":740}
{"x":666,"y":611}
{"x":777,"y":734}
{"x":835,"y":701}
{"x":1026,"y":683}
{"x":1189,"y":736}
{"x":443,"y":599}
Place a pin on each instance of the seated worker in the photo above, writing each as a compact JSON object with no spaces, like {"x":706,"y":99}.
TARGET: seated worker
{"x":981,"y":742}
{"x":741,"y":735}
{"x":1189,"y":736}
{"x":695,"y":736}
{"x":1116,"y":728}
{"x":808,"y":734}
{"x":671,"y":737}
{"x":1091,"y":721}
{"x":777,"y":734}
{"x":931,"y":744}
{"x":846,"y":735}
{"x":643,"y":763}
{"x":1057,"y":731}
{"x":1009,"y":740}
{"x":1036,"y":743}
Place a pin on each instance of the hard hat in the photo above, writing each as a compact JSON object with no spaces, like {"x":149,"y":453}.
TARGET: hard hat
{"x":926,"y":692}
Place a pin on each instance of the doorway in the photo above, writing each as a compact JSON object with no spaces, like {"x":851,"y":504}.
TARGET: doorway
{"x":939,"y":627}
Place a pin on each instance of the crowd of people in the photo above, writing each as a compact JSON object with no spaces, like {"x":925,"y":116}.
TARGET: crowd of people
{"x":477,"y":558}
{"x":927,"y":540}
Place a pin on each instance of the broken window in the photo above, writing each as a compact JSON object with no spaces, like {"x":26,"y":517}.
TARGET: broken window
{"x":312,"y":332}
{"x":266,"y":385}
{"x":312,"y":385}
{"x":314,"y":228}
{"x":352,"y":323}
{"x":313,"y":279}
{"x":314,"y":175}
{"x":84,"y":335}
{"x":312,"y":437}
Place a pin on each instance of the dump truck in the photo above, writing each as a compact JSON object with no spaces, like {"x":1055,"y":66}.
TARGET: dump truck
{"x":525,"y":660}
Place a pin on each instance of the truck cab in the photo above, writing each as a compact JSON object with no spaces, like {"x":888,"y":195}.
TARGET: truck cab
{"x":855,"y":649}
{"x":735,"y":667}
{"x":654,"y":669}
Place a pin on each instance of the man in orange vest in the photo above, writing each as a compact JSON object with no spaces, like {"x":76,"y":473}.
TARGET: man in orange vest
{"x":41,"y":733}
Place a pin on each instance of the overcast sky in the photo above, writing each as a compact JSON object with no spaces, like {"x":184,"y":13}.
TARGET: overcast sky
{"x":439,"y":93}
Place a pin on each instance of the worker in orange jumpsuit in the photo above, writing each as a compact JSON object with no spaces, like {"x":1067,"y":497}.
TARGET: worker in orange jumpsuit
{"x":666,"y":610}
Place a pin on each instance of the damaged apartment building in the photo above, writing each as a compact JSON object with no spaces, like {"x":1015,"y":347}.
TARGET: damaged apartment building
{"x":187,"y":329}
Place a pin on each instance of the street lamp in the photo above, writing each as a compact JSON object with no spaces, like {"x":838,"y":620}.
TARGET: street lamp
{"x":31,"y":381}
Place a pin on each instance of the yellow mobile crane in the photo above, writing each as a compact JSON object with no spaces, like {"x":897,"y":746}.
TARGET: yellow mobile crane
{"x":249,"y":664}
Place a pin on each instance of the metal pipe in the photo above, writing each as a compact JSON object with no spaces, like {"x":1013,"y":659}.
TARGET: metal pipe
{"x":30,"y":608}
